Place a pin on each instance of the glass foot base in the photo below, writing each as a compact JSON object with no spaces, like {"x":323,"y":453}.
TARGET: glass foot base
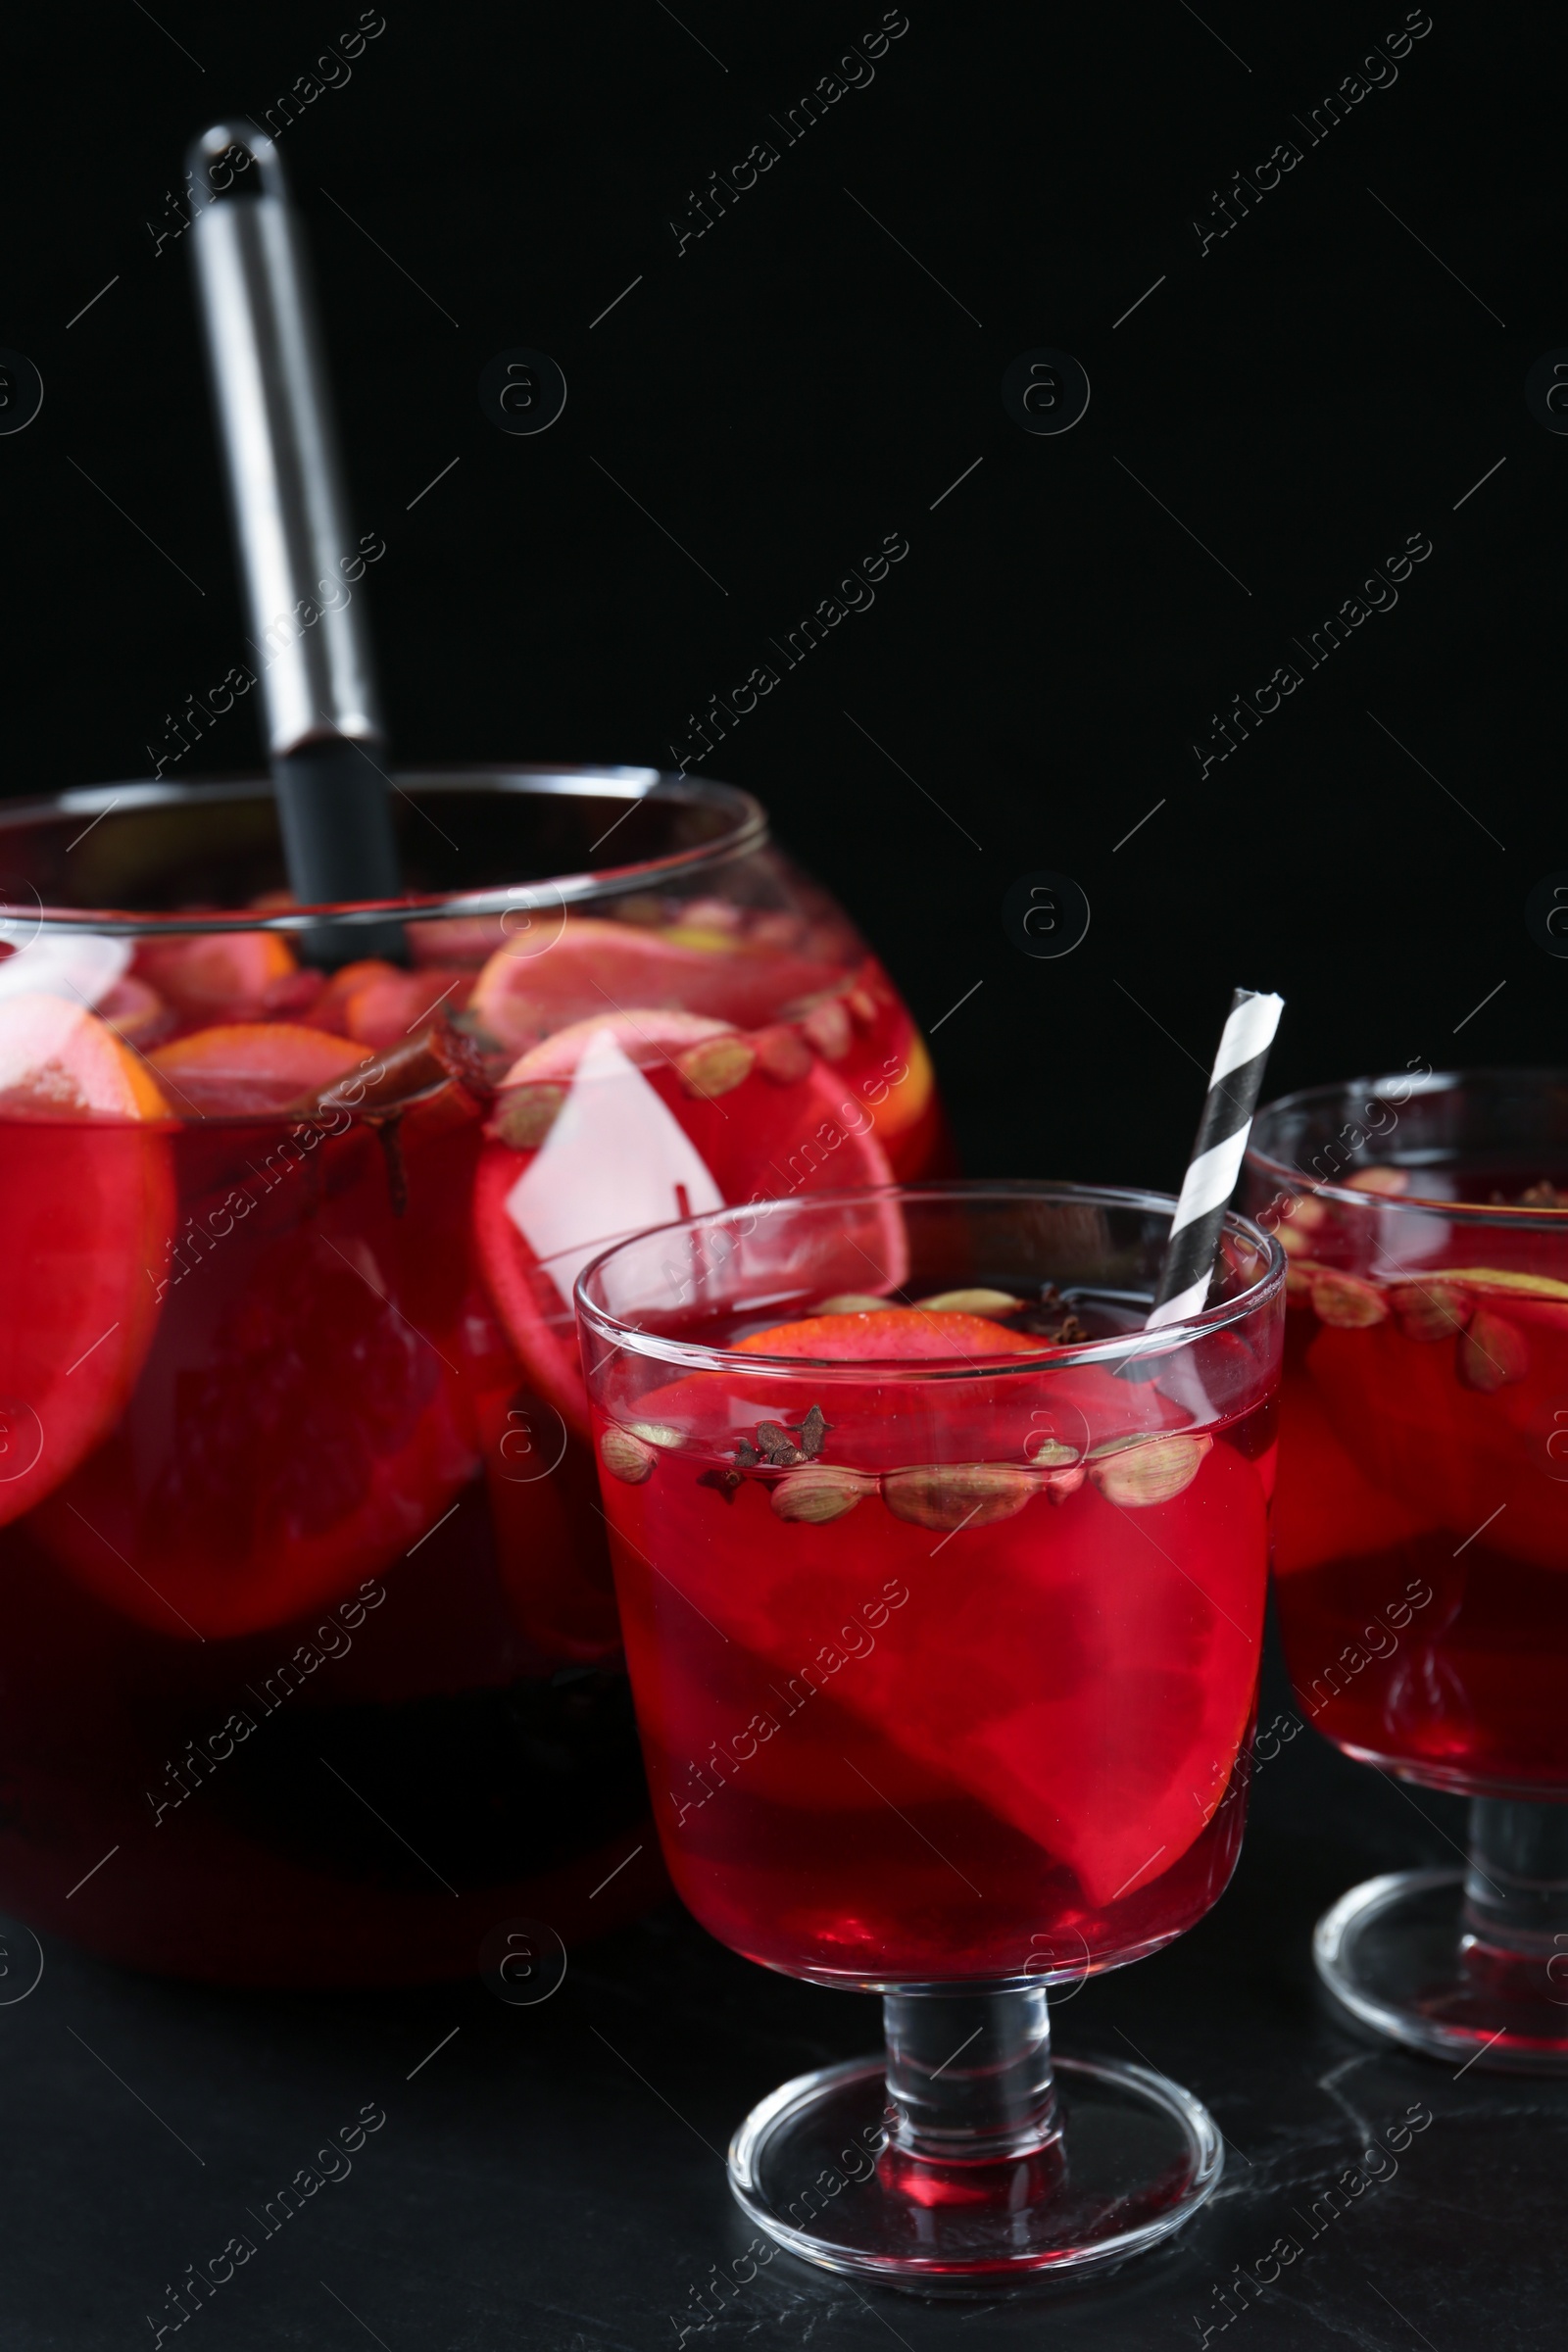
{"x":1135,"y":2156}
{"x":1395,"y":1953}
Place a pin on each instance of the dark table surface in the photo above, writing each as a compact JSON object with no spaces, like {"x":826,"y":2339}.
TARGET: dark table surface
{"x":551,"y":2177}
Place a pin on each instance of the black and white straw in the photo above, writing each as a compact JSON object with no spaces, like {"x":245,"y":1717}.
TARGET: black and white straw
{"x":1234,"y":1087}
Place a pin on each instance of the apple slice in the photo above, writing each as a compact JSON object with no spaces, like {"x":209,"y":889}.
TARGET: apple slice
{"x":593,"y":967}
{"x":394,"y":1006}
{"x":88,"y":1206}
{"x":618,"y":1124}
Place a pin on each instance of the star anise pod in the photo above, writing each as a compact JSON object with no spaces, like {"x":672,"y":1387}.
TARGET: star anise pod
{"x":1050,"y":1320}
{"x":724,"y":1481}
{"x":777,"y":1447}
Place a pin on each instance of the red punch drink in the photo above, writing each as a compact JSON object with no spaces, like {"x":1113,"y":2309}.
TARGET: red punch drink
{"x":942,"y":1580}
{"x":1422,"y":1520}
{"x":944,"y":1640}
{"x":953,"y":1719}
{"x":312,"y":1665}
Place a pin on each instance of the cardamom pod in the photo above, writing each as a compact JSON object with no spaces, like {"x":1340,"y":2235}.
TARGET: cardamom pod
{"x":1346,"y":1302}
{"x":970,"y":1303}
{"x":1492,"y":1353}
{"x":1431,"y":1310}
{"x":1134,"y":1474}
{"x":716,"y":1066}
{"x":626,"y":1457}
{"x":524,"y":1114}
{"x":821,"y":1493}
{"x":947,"y":1496}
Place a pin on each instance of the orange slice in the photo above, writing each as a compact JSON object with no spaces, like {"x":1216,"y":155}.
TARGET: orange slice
{"x":87,"y":1208}
{"x":56,"y":1056}
{"x":897,"y":1334}
{"x":909,"y":1101}
{"x":248,"y":1067}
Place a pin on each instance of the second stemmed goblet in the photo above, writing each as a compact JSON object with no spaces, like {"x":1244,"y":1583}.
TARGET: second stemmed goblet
{"x":1422,"y":1558}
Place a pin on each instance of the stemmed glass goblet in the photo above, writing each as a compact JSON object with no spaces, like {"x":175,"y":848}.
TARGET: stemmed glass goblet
{"x":941,"y":1585}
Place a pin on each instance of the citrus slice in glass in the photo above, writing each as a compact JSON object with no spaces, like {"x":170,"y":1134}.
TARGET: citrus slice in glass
{"x":1082,"y":1661}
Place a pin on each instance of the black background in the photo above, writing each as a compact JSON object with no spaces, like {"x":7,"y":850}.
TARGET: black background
{"x":1306,"y":395}
{"x":791,"y":387}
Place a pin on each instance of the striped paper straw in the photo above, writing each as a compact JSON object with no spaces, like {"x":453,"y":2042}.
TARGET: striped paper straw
{"x":1234,"y":1087}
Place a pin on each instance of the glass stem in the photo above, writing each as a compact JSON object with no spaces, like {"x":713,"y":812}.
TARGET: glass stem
{"x":968,"y":2074}
{"x":1516,"y":1887}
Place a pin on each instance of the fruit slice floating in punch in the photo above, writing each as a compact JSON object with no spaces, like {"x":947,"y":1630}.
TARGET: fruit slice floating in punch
{"x":292,"y":1435}
{"x":1052,"y":1660}
{"x":393,"y":1006}
{"x":891,"y":1334}
{"x":86,"y":1212}
{"x":219,"y":976}
{"x":379,"y":1005}
{"x":593,"y":967}
{"x":1446,"y":1426}
{"x":244,"y":1066}
{"x":299,"y":1423}
{"x":613,"y":1125}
